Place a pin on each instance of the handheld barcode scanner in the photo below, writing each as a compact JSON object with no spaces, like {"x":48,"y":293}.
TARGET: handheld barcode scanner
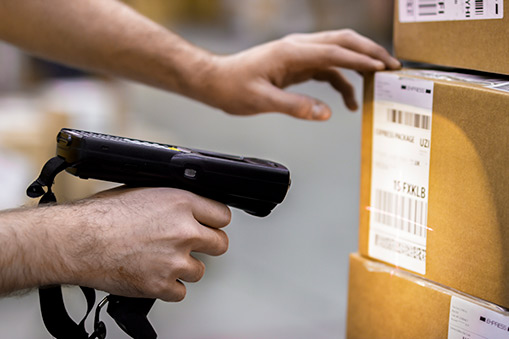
{"x":254,"y":185}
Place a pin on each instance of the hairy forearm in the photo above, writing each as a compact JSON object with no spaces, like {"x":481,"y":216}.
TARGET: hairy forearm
{"x":109,"y":37}
{"x":131,"y":242}
{"x":104,"y":36}
{"x":36,"y":248}
{"x":22,"y":261}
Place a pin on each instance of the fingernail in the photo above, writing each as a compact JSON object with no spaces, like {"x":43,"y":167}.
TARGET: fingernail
{"x":379,"y":65}
{"x":352,"y":105}
{"x":319,"y":112}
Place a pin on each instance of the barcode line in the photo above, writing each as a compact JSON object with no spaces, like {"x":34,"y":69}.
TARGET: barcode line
{"x":479,"y":7}
{"x":400,"y":212}
{"x":427,"y":7}
{"x":389,"y":243}
{"x":409,"y":119}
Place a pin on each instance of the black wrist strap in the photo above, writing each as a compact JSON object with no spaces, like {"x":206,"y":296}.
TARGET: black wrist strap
{"x":49,"y":172}
{"x":56,"y":319}
{"x":129,"y":313}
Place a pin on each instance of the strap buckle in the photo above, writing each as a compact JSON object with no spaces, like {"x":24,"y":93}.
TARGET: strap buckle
{"x":99,"y":327}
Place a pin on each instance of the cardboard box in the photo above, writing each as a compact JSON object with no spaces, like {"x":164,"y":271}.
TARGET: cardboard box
{"x":384,"y":302}
{"x":435,"y":178}
{"x":464,"y":34}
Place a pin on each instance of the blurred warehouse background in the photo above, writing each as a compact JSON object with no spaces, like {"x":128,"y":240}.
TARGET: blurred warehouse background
{"x":284,"y":276}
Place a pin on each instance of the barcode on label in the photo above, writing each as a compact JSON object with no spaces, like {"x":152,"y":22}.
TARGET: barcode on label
{"x":479,"y":7}
{"x":429,"y":7}
{"x":409,"y":119}
{"x":402,"y":248}
{"x":410,"y":8}
{"x":400,"y":212}
{"x":449,"y":10}
{"x":434,"y":7}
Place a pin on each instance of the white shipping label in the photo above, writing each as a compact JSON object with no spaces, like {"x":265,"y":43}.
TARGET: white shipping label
{"x":450,"y":10}
{"x":400,"y":170}
{"x":469,"y":320}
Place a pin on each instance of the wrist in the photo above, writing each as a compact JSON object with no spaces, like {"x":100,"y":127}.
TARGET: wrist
{"x":30,"y":255}
{"x":214,"y":82}
{"x":44,"y":246}
{"x":73,"y":236}
{"x":195,"y":72}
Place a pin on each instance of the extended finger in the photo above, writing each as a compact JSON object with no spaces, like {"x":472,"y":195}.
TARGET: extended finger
{"x":341,"y":84}
{"x":364,"y":45}
{"x":354,"y":41}
{"x":323,"y":56}
{"x":297,"y":105}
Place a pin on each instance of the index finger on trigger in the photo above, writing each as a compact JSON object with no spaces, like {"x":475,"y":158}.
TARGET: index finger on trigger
{"x":211,"y":213}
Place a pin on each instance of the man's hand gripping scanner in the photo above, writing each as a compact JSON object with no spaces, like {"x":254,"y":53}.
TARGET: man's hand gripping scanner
{"x":254,"y":185}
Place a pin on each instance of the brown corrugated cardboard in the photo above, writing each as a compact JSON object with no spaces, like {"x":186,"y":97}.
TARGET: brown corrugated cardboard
{"x":467,"y":243}
{"x":384,"y":302}
{"x":471,"y":44}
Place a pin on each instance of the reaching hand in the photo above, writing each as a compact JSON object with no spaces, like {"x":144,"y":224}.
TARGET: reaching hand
{"x":116,"y":40}
{"x":252,"y":81}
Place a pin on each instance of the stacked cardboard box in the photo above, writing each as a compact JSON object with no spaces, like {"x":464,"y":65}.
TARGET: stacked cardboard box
{"x":435,"y":184}
{"x":470,"y":34}
{"x":388,"y":303}
{"x":434,"y":179}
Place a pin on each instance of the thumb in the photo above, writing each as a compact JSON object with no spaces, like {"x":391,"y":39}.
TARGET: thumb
{"x":296,"y":105}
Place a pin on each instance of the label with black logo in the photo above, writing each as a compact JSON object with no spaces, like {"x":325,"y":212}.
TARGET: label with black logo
{"x":471,"y":321}
{"x":398,"y":208}
{"x":450,"y":10}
